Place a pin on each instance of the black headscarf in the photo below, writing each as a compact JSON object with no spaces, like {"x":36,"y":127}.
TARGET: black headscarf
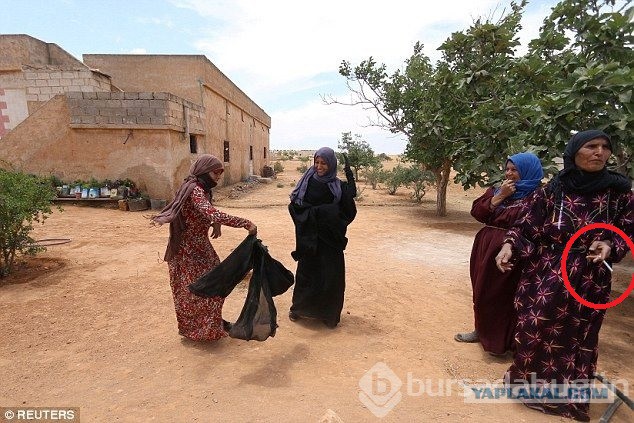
{"x":574,"y":180}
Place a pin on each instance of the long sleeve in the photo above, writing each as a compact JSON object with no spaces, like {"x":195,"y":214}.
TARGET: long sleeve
{"x":348,"y":206}
{"x":527,"y":230}
{"x":624,"y":220}
{"x":202,"y":204}
{"x":481,"y":207}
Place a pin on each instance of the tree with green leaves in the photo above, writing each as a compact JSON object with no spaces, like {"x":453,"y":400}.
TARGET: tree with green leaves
{"x":454,"y":115}
{"x":374,"y":174}
{"x":481,"y":102}
{"x":583,"y":65}
{"x":360,"y":154}
{"x":24,"y":199}
{"x":395,"y":178}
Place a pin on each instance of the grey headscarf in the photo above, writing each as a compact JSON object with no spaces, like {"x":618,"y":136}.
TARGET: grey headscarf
{"x":330,"y":178}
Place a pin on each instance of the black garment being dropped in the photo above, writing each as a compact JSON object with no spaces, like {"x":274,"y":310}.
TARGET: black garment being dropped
{"x":258,"y":318}
{"x":320,"y":235}
{"x":221,"y":280}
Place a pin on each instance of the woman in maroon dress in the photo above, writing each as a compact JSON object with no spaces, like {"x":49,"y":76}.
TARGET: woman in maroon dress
{"x":493,"y":291}
{"x":189,"y":252}
{"x":557,"y":337}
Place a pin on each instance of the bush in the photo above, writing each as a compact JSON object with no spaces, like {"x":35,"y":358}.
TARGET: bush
{"x":24,"y":199}
{"x":302,"y":168}
{"x":395,"y":178}
{"x":278,"y":167}
{"x":374,"y":174}
{"x":417,"y":179}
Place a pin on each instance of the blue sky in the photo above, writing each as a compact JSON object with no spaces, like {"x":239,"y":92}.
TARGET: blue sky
{"x":284,"y":54}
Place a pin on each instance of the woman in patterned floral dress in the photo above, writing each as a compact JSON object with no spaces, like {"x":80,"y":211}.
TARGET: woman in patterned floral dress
{"x":557,"y":337}
{"x":189,"y":252}
{"x":493,"y":291}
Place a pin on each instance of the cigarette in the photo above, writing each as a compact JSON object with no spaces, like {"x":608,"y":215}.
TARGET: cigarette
{"x":608,"y":266}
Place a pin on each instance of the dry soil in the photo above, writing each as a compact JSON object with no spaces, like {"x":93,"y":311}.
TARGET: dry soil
{"x":91,"y":324}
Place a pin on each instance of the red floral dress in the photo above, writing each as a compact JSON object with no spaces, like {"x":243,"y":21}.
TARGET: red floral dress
{"x":199,"y":318}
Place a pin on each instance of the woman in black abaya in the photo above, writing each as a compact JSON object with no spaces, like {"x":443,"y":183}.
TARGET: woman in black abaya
{"x":322,"y":206}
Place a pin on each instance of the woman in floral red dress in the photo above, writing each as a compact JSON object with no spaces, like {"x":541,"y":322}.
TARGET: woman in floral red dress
{"x":556,"y":336}
{"x":189,"y":252}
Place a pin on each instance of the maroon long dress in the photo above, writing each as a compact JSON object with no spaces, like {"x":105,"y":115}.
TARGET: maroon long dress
{"x":557,"y":337}
{"x":199,"y":318}
{"x":493,"y":291}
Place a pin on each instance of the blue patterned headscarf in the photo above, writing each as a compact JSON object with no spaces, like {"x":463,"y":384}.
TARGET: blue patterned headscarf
{"x":330,"y":178}
{"x":531,"y":173}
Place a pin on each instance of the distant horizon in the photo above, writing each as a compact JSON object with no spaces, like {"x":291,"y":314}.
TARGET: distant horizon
{"x":312,"y":150}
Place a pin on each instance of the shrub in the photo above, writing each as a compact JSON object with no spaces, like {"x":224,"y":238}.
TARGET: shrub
{"x":24,"y":199}
{"x":278,"y":167}
{"x":374,"y":174}
{"x":417,"y":179}
{"x":395,"y":178}
{"x":302,"y":168}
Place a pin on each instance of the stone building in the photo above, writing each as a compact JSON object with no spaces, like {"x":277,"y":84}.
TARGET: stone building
{"x":142,"y":117}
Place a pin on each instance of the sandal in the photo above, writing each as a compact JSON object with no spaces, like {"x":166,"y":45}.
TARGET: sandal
{"x":292,"y":316}
{"x":467,"y":337}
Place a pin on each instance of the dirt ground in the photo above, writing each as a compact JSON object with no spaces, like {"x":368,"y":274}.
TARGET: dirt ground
{"x":91,"y":323}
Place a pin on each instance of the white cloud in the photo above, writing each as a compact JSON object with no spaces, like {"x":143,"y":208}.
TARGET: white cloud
{"x":272,"y":49}
{"x":278,"y":42}
{"x":317,"y":125}
{"x":166,"y":22}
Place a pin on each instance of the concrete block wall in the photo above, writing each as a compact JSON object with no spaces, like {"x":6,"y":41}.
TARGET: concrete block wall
{"x":134,"y":110}
{"x":43,"y":84}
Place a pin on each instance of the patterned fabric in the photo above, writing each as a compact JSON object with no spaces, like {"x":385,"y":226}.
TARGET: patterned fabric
{"x":556,"y":337}
{"x":199,"y":318}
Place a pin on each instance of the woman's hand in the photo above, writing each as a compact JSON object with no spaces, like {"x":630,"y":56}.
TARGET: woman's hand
{"x":215,"y":233}
{"x":503,"y":259}
{"x":599,"y":251}
{"x":506,"y":190}
{"x":253,"y":230}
